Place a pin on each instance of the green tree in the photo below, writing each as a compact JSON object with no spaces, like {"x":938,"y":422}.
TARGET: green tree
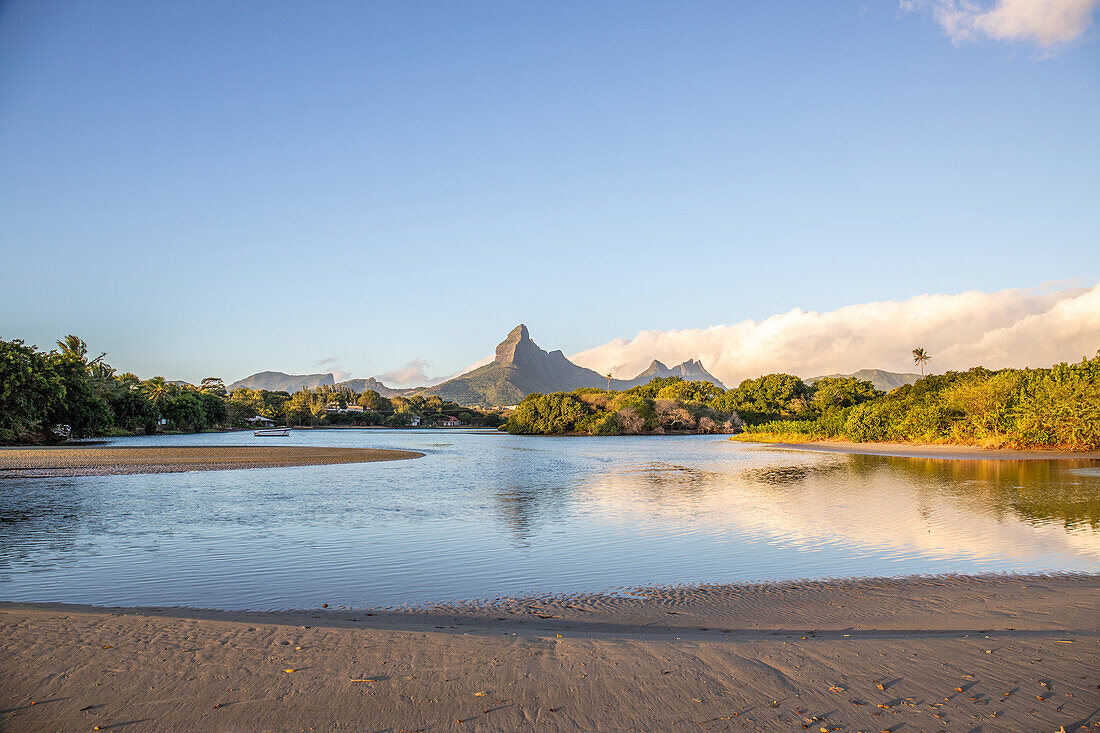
{"x":213,"y":385}
{"x":838,"y":392}
{"x":243,"y":404}
{"x":28,"y":388}
{"x":184,"y":411}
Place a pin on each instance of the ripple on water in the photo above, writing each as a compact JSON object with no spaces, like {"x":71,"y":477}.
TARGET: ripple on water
{"x":489,"y":515}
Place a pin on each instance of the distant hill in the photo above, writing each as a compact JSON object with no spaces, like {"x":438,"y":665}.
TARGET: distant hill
{"x":362,"y":385}
{"x":282,"y":382}
{"x":882,"y":380}
{"x":691,"y":370}
{"x":520,"y":367}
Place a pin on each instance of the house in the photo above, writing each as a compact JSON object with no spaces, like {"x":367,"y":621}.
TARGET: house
{"x":333,"y":408}
{"x":414,"y":421}
{"x":448,"y":422}
{"x":260,"y":420}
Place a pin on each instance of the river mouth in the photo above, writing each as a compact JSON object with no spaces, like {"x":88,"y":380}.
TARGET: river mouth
{"x":486,"y":515}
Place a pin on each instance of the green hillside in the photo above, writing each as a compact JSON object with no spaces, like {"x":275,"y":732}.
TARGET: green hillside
{"x":883,"y":380}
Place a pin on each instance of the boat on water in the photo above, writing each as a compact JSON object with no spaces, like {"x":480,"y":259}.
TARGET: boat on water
{"x":272,"y":433}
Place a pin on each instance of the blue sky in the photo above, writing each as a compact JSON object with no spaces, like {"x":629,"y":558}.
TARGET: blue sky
{"x":217,"y":188}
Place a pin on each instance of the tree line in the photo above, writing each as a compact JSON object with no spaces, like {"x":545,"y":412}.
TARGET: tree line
{"x":664,"y":405}
{"x":311,"y":407}
{"x":1057,"y":407}
{"x":46,"y":396}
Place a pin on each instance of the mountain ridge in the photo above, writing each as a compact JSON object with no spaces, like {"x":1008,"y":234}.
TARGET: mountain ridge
{"x":283,"y":382}
{"x":519,"y":368}
{"x":882,"y":379}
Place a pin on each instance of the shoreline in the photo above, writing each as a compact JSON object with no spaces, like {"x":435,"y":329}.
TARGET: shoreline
{"x":926,"y":450}
{"x":1000,"y":652}
{"x":43,"y":462}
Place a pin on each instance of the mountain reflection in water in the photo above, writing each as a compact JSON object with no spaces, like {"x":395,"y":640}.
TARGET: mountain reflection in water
{"x":486,"y":515}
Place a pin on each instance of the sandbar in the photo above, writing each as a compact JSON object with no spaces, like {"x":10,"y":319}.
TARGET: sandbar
{"x":999,"y":653}
{"x":110,"y":460}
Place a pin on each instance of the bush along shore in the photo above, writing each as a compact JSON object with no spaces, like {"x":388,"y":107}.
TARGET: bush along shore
{"x":1055,"y":409}
{"x":665,"y":405}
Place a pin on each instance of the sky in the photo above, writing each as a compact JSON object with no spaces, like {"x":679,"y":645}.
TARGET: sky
{"x":388,"y":188}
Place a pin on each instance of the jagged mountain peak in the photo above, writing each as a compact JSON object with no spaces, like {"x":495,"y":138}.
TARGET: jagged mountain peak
{"x":515,"y":345}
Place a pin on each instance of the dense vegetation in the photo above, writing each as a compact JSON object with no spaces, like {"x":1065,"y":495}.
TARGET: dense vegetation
{"x":311,"y":407}
{"x":45,"y":396}
{"x":664,"y":405}
{"x":48,"y":396}
{"x":1057,"y":407}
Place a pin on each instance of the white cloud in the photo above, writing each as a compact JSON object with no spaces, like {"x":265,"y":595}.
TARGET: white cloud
{"x":1048,"y":23}
{"x":1010,"y":328}
{"x":410,"y":375}
{"x":413,"y":374}
{"x":332,"y":364}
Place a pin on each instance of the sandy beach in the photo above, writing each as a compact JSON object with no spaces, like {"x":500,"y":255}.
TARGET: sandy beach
{"x":1003,"y":653}
{"x":912,"y":450}
{"x":102,"y":461}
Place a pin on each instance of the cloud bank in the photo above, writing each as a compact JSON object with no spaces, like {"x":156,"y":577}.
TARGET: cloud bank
{"x":1047,"y":23}
{"x":1009,"y":328}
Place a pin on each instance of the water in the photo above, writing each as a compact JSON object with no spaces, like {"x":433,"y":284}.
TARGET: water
{"x":486,"y":515}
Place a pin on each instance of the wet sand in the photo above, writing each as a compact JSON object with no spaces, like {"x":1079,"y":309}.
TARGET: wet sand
{"x":101,"y":461}
{"x":916,"y":450}
{"x":1003,"y":653}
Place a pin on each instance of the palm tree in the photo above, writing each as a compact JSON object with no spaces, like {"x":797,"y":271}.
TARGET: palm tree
{"x":158,"y":389}
{"x":609,"y":381}
{"x":921,"y":357}
{"x":75,"y":347}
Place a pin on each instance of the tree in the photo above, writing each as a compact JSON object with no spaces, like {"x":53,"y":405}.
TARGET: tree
{"x":28,"y":386}
{"x":921,"y":357}
{"x":214,"y":408}
{"x":185,"y":411}
{"x":213,"y":385}
{"x":840,"y":392}
{"x":85,"y":412}
{"x":300,"y":407}
{"x":158,"y":390}
{"x":769,"y":395}
{"x":75,"y":347}
{"x":609,"y":381}
{"x":244,"y":403}
{"x":318,"y":409}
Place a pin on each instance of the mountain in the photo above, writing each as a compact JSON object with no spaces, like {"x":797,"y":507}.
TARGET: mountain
{"x":691,"y":370}
{"x":520,"y":367}
{"x":362,"y":385}
{"x":882,"y":380}
{"x":282,"y":382}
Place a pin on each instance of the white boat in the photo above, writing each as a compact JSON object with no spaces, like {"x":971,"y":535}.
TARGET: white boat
{"x":272,"y":433}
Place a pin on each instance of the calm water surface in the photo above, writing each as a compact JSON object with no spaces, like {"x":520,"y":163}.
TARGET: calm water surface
{"x":486,"y":515}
